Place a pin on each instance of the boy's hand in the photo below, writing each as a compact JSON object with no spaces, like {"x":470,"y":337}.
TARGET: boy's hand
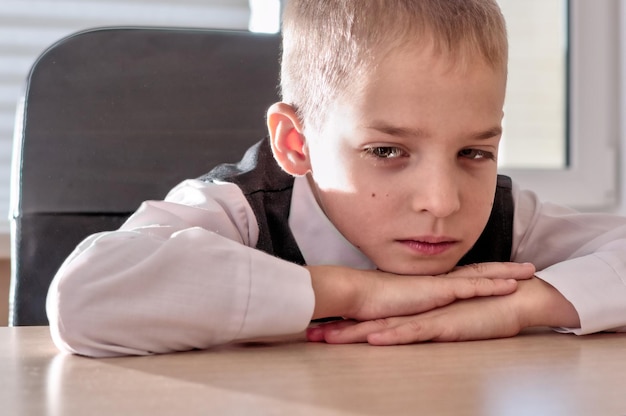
{"x":535,"y":303}
{"x":366,"y":295}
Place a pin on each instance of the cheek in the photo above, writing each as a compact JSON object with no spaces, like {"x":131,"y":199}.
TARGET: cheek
{"x":477,"y":204}
{"x":360,"y":215}
{"x":353,"y":203}
{"x":356,"y":217}
{"x":332,"y":171}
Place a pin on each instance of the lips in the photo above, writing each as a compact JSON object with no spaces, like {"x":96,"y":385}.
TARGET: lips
{"x":429,"y":246}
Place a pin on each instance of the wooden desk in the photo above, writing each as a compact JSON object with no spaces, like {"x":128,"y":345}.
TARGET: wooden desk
{"x":533,"y":374}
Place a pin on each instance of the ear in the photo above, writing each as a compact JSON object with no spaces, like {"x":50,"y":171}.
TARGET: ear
{"x":287,"y":139}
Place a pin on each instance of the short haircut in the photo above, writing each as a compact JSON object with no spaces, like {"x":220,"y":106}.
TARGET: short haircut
{"x":329,"y":46}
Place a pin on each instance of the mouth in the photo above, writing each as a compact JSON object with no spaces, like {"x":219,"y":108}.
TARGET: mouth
{"x":429,"y":246}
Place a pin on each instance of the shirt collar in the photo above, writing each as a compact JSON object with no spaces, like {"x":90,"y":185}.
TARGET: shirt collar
{"x":319,"y":241}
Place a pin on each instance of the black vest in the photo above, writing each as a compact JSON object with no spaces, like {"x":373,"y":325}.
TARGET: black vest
{"x":268,"y":190}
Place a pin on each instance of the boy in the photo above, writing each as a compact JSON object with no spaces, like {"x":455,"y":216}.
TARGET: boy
{"x":377,"y":184}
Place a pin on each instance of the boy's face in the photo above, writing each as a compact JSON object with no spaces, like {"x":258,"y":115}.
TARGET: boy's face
{"x":406,"y":168}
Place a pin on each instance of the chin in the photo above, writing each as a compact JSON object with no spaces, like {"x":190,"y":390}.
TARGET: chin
{"x":418,"y":268}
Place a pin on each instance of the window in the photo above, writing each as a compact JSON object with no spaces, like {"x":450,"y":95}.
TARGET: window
{"x":536,"y":106}
{"x":562,"y":112}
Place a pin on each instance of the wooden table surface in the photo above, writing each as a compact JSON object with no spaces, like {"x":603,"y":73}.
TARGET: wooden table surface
{"x":537,"y":373}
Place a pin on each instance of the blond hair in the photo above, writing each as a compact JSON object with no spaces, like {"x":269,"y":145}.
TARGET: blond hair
{"x":331,"y":45}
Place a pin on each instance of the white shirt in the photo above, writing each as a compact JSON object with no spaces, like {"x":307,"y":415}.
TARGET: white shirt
{"x":182,"y":273}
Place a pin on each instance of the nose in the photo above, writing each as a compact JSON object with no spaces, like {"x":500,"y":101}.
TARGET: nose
{"x":436,"y":190}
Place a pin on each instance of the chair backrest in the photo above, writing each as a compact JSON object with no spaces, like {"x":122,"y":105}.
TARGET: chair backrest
{"x":116,"y":116}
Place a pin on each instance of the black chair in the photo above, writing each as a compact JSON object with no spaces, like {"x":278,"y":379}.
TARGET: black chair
{"x":116,"y":116}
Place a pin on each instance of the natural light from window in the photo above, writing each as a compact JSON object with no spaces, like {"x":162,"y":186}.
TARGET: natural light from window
{"x":536,"y":115}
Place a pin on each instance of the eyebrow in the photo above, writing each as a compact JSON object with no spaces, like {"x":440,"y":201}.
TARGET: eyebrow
{"x":419,"y":133}
{"x":487,"y":134}
{"x":396,"y":130}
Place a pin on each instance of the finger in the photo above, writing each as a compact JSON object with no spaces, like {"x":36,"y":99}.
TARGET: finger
{"x":468,"y":320}
{"x":388,"y":331}
{"x":495,"y":270}
{"x":487,"y":279}
{"x":354,"y":332}
{"x":471,"y":287}
{"x":413,"y":331}
{"x":318,"y":333}
{"x":424,"y":293}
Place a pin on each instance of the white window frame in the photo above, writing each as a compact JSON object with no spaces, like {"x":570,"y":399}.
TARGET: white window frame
{"x":591,"y":181}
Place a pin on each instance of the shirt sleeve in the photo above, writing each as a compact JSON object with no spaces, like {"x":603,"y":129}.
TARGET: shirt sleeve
{"x":583,"y":255}
{"x":179,"y":274}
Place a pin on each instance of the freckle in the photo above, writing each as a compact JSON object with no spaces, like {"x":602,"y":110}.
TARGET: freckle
{"x":373,"y":195}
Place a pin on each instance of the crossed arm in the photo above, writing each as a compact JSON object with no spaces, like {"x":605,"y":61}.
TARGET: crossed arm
{"x":165,"y":283}
{"x":488,"y":300}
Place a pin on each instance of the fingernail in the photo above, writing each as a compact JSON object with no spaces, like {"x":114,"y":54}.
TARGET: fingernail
{"x":314,"y":334}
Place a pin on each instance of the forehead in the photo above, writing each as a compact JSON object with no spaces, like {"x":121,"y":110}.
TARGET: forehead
{"x":411,"y":58}
{"x":425,"y":88}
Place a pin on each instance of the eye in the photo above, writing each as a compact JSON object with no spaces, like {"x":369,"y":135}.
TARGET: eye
{"x":385,"y":152}
{"x":476,"y":154}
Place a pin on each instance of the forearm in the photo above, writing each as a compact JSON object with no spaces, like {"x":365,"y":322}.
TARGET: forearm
{"x":596,"y":285}
{"x":580,"y":255}
{"x":130,"y":293}
{"x":337,"y":290}
{"x":540,"y":304}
